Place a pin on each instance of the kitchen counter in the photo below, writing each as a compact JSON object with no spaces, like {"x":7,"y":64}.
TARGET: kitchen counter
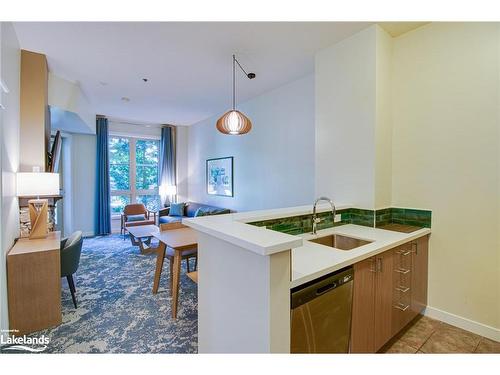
{"x":234,"y":229}
{"x":245,"y":270}
{"x":309,"y":260}
{"x":312,"y":260}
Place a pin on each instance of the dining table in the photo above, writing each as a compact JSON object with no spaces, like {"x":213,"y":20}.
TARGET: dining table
{"x":179,"y":240}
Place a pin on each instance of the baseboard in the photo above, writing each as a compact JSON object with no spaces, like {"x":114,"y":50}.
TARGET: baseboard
{"x":88,"y":234}
{"x":464,"y":323}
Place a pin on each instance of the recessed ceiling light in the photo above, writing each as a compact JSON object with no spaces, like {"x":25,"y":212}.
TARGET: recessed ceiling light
{"x":125,"y":99}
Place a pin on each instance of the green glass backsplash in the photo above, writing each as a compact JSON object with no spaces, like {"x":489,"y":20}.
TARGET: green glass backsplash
{"x":303,"y":223}
{"x":298,"y":224}
{"x":406,"y":216}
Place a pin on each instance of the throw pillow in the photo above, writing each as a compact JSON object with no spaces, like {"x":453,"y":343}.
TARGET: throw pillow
{"x":176,"y":209}
{"x":139,"y":217}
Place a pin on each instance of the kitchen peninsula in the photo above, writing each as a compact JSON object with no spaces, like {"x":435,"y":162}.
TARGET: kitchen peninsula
{"x":246,"y":274}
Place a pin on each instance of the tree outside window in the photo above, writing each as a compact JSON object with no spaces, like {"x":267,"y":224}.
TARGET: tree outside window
{"x":133,"y":172}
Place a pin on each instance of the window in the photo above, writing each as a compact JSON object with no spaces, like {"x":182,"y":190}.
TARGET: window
{"x":133,"y":172}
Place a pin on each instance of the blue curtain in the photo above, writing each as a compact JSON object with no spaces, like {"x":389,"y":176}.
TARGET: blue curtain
{"x":103,"y":209}
{"x":167,"y":157}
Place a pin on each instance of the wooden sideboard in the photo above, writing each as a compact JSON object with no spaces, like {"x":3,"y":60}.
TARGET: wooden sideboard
{"x":34,"y":284}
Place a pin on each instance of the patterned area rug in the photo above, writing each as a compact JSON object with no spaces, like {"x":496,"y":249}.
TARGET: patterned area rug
{"x":117,"y":312}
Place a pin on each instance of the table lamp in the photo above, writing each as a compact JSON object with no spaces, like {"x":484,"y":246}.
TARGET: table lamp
{"x":40,"y":185}
{"x":170,"y":191}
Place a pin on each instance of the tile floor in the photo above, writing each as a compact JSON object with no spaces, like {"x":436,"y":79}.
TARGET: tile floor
{"x":426,"y":335}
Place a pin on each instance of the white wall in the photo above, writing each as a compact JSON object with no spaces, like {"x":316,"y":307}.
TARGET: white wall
{"x":82,"y":189}
{"x":182,"y":142}
{"x":70,"y":108}
{"x":274,"y":163}
{"x":446,"y":157}
{"x":66,"y":170}
{"x":9,"y":147}
{"x":383,"y":123}
{"x":128,"y":129}
{"x":345,"y":120}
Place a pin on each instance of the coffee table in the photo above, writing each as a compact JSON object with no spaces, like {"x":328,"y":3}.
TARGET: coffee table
{"x":141,"y":236}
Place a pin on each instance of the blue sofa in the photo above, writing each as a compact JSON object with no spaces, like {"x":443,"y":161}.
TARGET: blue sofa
{"x":190,"y":210}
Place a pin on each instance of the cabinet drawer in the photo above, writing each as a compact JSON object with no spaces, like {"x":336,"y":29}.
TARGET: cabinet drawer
{"x":402,"y":287}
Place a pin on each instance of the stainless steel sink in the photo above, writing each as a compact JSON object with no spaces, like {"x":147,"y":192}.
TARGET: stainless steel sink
{"x":340,"y":242}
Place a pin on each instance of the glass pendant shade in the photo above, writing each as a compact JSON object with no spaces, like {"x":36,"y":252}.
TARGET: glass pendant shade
{"x":234,"y":123}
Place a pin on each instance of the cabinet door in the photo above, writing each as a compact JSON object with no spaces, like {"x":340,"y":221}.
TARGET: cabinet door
{"x":363,"y":308}
{"x":402,"y":287}
{"x":383,"y":298}
{"x":420,"y":258}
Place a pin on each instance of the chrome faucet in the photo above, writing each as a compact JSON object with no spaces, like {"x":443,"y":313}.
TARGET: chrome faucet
{"x":315,"y":219}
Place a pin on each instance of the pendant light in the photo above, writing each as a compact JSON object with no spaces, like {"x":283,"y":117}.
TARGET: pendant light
{"x":234,"y":122}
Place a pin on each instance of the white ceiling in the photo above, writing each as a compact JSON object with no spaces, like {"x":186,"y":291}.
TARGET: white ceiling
{"x":188,"y":64}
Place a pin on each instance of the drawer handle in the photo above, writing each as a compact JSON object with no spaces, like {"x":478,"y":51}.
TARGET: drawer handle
{"x":416,"y":247}
{"x":401,"y":307}
{"x":403,"y":252}
{"x":402,"y":271}
{"x":379,"y":264}
{"x":402,"y":289}
{"x":372,"y":268}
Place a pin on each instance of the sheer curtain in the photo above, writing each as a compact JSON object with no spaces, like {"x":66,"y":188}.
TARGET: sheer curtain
{"x":167,"y":161}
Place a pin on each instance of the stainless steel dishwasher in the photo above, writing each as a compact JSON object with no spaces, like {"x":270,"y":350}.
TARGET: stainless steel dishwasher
{"x":321,"y":314}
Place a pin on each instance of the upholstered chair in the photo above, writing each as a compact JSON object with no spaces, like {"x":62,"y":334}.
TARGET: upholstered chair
{"x":136,"y":214}
{"x":71,"y":249}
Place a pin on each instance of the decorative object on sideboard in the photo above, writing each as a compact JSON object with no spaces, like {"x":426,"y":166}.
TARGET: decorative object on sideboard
{"x":220,"y":177}
{"x":42,"y":186}
{"x":234,"y":122}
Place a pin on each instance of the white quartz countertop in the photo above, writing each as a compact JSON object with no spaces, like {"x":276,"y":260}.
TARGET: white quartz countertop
{"x":313,"y":260}
{"x":309,"y":260}
{"x":233,"y":228}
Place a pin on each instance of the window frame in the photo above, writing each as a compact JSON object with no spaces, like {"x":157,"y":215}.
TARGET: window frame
{"x":133,"y":192}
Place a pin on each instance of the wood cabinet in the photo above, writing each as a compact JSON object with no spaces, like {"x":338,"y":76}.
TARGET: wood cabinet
{"x":34,"y":284}
{"x":402,"y":287}
{"x":390,"y":289}
{"x":419,"y":275}
{"x":363,"y":307}
{"x":372,"y":303}
{"x":383,"y":298}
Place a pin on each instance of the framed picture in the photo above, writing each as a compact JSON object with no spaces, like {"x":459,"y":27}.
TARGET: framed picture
{"x":220,"y":176}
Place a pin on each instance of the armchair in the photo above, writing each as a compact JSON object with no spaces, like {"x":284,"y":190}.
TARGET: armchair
{"x":134,"y":215}
{"x":71,"y":248}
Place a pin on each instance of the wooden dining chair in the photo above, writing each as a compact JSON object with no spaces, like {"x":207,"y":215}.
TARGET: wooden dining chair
{"x":186,"y":255}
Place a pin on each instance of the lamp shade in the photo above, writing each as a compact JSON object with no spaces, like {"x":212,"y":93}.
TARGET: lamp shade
{"x":234,"y":122}
{"x":32,"y":184}
{"x":167,"y":190}
{"x":171,"y":190}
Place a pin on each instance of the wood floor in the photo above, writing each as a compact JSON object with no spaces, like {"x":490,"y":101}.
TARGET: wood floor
{"x":426,"y":335}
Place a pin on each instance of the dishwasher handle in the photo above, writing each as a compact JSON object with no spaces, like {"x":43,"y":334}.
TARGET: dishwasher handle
{"x":316,"y":288}
{"x":325,"y":288}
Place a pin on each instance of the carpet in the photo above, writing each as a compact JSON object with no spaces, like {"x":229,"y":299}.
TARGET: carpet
{"x":117,"y":312}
